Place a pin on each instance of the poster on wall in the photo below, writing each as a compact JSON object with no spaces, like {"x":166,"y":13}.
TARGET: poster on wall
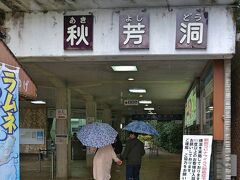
{"x":191,"y":108}
{"x":31,"y":136}
{"x":9,"y":123}
{"x":196,"y":156}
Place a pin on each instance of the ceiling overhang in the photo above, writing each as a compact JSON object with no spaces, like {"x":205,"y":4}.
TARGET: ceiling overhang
{"x":73,"y":5}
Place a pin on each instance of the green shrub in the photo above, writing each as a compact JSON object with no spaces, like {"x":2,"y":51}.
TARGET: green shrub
{"x":170,"y":137}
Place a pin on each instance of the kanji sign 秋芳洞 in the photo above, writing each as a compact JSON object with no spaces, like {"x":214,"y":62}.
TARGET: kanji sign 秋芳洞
{"x":134,"y":30}
{"x":78,"y":32}
{"x":191,"y":29}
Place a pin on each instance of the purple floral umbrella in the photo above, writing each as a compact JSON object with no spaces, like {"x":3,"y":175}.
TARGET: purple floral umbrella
{"x":97,"y":135}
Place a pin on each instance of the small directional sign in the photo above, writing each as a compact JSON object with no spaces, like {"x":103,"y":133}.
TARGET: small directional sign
{"x":131,"y":102}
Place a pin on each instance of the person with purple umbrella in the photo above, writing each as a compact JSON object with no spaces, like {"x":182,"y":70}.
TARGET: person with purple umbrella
{"x":102,"y":162}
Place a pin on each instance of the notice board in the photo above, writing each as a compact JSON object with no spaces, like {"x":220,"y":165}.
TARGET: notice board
{"x":31,"y":136}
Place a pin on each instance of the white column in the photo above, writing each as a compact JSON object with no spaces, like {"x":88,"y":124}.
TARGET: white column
{"x":227,"y":121}
{"x":91,"y":111}
{"x":62,"y":102}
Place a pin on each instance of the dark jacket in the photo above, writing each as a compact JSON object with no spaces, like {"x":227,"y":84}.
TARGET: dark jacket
{"x":133,"y":152}
{"x":117,"y":146}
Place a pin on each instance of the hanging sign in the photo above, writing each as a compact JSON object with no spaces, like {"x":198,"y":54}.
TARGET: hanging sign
{"x":9,"y":124}
{"x":191,"y":29}
{"x":78,"y":32}
{"x":131,"y":102}
{"x":134,"y":30}
{"x":196,"y":157}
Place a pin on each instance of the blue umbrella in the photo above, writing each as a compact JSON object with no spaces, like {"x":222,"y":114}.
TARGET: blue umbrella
{"x":97,"y":135}
{"x":141,"y":127}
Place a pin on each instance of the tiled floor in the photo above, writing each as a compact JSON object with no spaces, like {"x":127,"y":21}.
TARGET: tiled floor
{"x":165,"y":166}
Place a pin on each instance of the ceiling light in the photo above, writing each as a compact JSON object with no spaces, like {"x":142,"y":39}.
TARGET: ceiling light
{"x":137,"y":90}
{"x":145,"y":102}
{"x":38,"y":102}
{"x":124,"y":68}
{"x":150,"y":112}
{"x":140,"y":95}
{"x":131,"y":79}
{"x":210,"y":108}
{"x":149,"y":109}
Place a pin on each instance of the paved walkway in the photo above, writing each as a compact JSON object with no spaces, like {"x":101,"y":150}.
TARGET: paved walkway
{"x":165,"y":166}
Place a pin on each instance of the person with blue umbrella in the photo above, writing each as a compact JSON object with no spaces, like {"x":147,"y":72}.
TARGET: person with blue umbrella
{"x":134,"y":150}
{"x":133,"y":154}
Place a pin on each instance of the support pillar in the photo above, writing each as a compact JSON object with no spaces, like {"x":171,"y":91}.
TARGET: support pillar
{"x":62,"y":125}
{"x":107,"y":116}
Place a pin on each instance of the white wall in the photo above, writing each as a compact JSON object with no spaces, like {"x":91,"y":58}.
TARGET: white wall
{"x":41,"y":34}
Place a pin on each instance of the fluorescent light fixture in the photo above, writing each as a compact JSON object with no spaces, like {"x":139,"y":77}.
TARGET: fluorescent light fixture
{"x":150,"y":112}
{"x":124,"y":68}
{"x":210,"y":108}
{"x":137,"y":90}
{"x":38,"y":102}
{"x":145,"y":102}
{"x":130,"y":79}
{"x":149,"y":109}
{"x":121,"y":126}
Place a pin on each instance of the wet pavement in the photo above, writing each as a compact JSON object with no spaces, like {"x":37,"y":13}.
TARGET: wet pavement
{"x":164,"y":166}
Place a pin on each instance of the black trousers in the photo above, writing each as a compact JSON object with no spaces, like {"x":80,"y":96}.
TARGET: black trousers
{"x":132,"y":172}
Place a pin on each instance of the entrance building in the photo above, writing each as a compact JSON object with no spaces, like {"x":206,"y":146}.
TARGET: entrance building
{"x":181,"y":52}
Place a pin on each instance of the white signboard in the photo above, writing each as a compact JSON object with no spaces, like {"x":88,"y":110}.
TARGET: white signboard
{"x":61,"y":139}
{"x":61,"y":113}
{"x":131,"y":102}
{"x":31,"y":136}
{"x":196,"y":157}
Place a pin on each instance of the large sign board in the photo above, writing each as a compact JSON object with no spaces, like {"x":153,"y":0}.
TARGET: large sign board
{"x":9,"y":124}
{"x":191,"y":29}
{"x":196,"y":156}
{"x":134,"y":30}
{"x":78,"y":32}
